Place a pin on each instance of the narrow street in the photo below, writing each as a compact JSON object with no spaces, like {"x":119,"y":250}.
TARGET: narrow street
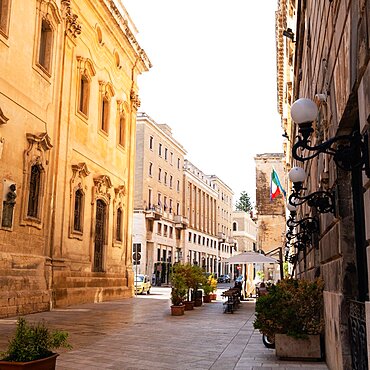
{"x":140,"y":333}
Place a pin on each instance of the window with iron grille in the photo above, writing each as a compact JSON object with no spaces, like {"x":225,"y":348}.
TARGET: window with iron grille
{"x":34,"y":193}
{"x":77,"y":219}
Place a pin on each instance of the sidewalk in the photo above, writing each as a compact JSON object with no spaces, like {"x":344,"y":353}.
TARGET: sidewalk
{"x":140,"y":333}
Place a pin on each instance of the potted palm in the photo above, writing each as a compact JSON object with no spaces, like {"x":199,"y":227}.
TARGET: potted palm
{"x":292,"y":314}
{"x":178,"y":291}
{"x":32,"y":347}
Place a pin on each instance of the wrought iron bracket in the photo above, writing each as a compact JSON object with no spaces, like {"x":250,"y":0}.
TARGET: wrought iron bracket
{"x":323,"y":201}
{"x":350,"y":151}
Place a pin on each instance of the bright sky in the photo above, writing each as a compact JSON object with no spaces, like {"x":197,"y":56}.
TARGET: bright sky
{"x":213,"y":81}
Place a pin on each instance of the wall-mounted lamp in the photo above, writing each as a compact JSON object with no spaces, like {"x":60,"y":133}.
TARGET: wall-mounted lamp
{"x":323,"y":201}
{"x":289,"y":33}
{"x":350,"y":151}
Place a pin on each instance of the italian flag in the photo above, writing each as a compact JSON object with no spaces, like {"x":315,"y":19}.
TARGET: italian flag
{"x":275,"y":187}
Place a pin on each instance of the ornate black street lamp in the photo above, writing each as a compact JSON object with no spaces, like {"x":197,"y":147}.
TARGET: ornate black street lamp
{"x":323,"y":201}
{"x":348,"y":151}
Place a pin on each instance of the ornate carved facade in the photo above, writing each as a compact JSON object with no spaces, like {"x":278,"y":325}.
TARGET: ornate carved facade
{"x":67,"y":136}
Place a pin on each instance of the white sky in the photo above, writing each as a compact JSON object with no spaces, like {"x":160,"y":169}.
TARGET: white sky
{"x":213,"y":81}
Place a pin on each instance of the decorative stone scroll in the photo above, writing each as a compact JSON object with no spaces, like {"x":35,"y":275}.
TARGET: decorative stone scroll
{"x":102,"y":184}
{"x":135,"y":100}
{"x":3,"y":119}
{"x":73,"y":27}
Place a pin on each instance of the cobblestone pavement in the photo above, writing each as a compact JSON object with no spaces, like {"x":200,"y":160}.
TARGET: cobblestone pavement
{"x":140,"y":333}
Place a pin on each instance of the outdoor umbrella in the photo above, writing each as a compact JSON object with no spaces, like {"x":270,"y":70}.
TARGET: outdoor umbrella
{"x":249,"y":257}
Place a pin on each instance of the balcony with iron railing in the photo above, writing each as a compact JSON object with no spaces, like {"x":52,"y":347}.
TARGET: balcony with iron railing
{"x":154,"y":212}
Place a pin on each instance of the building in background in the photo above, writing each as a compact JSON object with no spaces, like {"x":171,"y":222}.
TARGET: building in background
{"x":271,"y":209}
{"x":324,"y":56}
{"x":67,"y":111}
{"x":159,"y":216}
{"x":200,"y":204}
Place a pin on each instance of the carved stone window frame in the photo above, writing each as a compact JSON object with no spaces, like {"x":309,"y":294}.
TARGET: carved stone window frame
{"x":77,"y":183}
{"x":47,"y":11}
{"x":122,"y":114}
{"x":106,"y":93}
{"x":100,"y":190}
{"x":119,"y":202}
{"x":5,"y":18}
{"x":37,"y":153}
{"x":86,"y":70}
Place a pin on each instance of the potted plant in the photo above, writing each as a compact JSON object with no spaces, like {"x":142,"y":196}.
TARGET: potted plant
{"x":292,"y":314}
{"x":198,"y":279}
{"x":32,"y":345}
{"x":212,"y":281}
{"x":207,"y":289}
{"x":178,"y":291}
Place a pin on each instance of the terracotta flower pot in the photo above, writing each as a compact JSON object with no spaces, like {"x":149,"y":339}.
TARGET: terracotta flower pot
{"x":47,"y":363}
{"x":189,"y":305}
{"x":207,"y":298}
{"x":213,"y":296}
{"x":177,"y":310}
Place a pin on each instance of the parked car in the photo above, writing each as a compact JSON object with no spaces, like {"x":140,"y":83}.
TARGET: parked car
{"x":142,"y":284}
{"x":224,"y":279}
{"x":239,"y":279}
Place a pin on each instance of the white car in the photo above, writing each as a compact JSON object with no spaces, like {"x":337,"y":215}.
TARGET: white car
{"x":142,"y":284}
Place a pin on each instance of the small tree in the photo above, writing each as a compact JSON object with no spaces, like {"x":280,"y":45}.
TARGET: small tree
{"x":244,"y":203}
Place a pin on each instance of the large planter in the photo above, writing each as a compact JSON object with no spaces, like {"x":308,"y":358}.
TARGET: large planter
{"x":47,"y":363}
{"x":176,"y":311}
{"x":291,"y":348}
{"x":213,"y":296}
{"x":189,"y":305}
{"x":207,"y":298}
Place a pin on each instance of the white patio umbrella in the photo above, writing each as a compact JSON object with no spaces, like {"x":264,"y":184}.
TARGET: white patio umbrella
{"x":249,"y":257}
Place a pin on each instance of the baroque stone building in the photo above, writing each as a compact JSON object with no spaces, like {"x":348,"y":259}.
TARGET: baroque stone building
{"x":323,"y":52}
{"x":68,"y":106}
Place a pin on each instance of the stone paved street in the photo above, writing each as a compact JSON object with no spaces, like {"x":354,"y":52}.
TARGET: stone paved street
{"x":140,"y":333}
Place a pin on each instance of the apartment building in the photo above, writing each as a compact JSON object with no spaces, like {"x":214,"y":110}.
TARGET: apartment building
{"x":159,"y":222}
{"x":201,"y":245}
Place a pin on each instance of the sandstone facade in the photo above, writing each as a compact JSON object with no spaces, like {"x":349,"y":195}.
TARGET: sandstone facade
{"x":68,"y":110}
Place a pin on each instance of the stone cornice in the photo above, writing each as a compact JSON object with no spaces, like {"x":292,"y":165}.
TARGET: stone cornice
{"x":125,"y":29}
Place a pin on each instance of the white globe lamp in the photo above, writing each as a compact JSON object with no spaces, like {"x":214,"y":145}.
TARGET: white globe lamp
{"x":297,"y":174}
{"x":303,"y":110}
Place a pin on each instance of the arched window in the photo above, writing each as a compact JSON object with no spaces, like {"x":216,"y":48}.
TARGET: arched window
{"x":119,"y":225}
{"x":46,"y":43}
{"x":34,"y":192}
{"x":77,"y":220}
{"x":235,"y":226}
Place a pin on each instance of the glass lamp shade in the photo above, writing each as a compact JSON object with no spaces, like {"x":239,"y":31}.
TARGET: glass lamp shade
{"x":303,"y":110}
{"x":291,"y":207}
{"x":297,"y":174}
